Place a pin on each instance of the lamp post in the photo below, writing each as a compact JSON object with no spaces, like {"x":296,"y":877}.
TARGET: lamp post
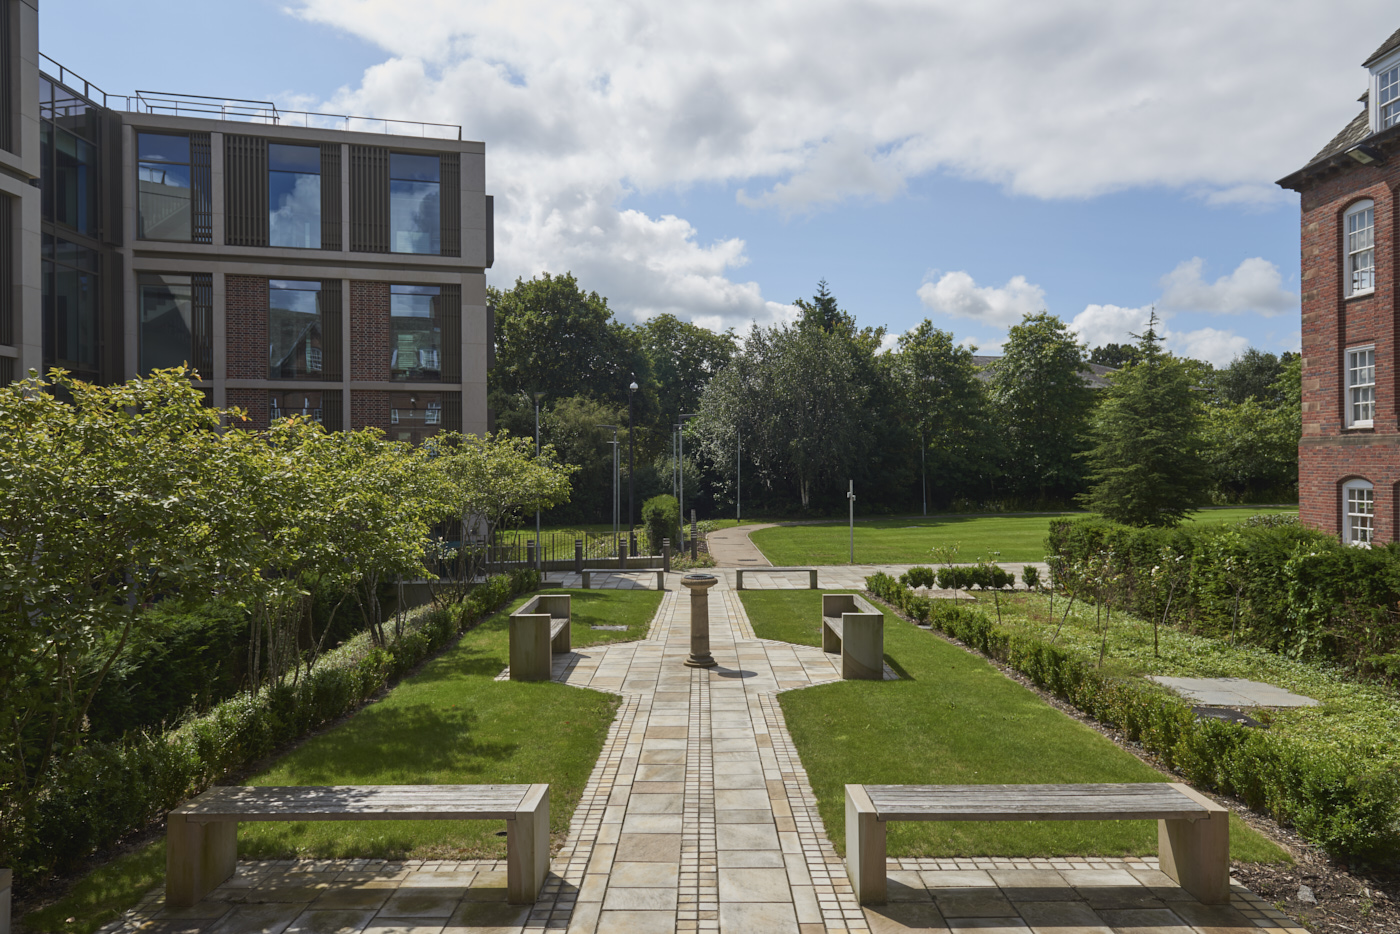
{"x":631,"y":451}
{"x":681,"y":463}
{"x":851,"y":495}
{"x":738,"y":472}
{"x":613,"y":442}
{"x":923,"y":475}
{"x":535,"y":396}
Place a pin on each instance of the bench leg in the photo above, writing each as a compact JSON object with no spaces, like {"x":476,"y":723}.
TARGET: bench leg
{"x":739,"y":579}
{"x":564,"y":642}
{"x":865,"y":847}
{"x":198,"y":857}
{"x":862,"y":647}
{"x":530,"y":659}
{"x":831,"y":642}
{"x":527,"y":848}
{"x":586,"y":576}
{"x":813,"y":572}
{"x":1197,"y":853}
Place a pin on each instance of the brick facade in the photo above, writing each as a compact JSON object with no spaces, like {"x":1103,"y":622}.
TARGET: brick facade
{"x":254,"y":402}
{"x":246,"y":315}
{"x":1330,"y":453}
{"x":369,"y":408}
{"x":369,"y":332}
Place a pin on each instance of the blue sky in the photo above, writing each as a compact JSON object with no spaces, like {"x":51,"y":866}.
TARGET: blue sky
{"x":927,"y":159}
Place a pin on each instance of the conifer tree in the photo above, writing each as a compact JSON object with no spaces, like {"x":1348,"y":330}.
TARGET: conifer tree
{"x":1145,"y":465}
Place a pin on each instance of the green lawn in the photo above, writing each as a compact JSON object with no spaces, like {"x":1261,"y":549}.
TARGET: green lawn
{"x":910,"y":541}
{"x":954,"y":720}
{"x":451,"y":723}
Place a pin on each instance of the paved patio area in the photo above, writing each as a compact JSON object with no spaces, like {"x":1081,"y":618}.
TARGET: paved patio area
{"x":698,"y":817}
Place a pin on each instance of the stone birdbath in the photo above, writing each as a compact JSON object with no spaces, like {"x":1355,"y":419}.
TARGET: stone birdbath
{"x":699,"y":586}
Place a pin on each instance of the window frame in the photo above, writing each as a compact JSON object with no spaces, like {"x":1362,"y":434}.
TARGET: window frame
{"x":1380,"y":72}
{"x":1348,"y":273}
{"x":1349,"y":388}
{"x":188,"y":165}
{"x":1357,"y":485}
{"x":296,"y":285}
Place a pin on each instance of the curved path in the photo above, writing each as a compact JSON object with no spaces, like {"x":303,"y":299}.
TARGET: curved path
{"x":732,"y":548}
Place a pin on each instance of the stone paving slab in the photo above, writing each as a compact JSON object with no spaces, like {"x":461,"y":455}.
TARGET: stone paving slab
{"x":1233,"y":692}
{"x":698,"y":816}
{"x":836,"y":577}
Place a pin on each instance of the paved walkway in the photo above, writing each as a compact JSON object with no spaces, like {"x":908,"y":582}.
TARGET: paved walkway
{"x":732,"y":548}
{"x":835,"y":577}
{"x":698,"y":817}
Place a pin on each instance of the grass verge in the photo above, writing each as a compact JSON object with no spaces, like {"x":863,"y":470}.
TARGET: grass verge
{"x":910,"y":541}
{"x":450,"y":723}
{"x":955,"y":720}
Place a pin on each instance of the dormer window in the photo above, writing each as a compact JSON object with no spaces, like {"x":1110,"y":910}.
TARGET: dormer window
{"x":1388,"y":99}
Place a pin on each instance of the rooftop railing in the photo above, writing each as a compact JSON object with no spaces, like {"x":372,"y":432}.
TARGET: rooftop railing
{"x":246,"y":111}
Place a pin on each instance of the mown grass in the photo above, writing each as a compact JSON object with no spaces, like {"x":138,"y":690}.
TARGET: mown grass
{"x":911,"y":541}
{"x":954,"y":720}
{"x":450,"y":723}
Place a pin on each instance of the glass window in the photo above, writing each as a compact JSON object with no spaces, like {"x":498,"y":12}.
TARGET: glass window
{"x":1358,"y":513}
{"x":413,"y":416}
{"x":167,"y":315}
{"x":415,"y":224}
{"x":70,"y":307}
{"x":415,"y":333}
{"x":283,"y":404}
{"x":1389,"y":99}
{"x":1361,"y":254}
{"x":163,"y":187}
{"x":1361,"y":387}
{"x":74,"y":182}
{"x":294,"y":196}
{"x":294,"y":329}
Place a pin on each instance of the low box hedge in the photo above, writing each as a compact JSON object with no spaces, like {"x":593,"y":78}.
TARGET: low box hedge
{"x":109,"y":790}
{"x":1346,"y":804}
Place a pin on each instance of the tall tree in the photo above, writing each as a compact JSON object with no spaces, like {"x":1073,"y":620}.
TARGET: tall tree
{"x":1042,"y":405}
{"x":1114,"y":355}
{"x":1251,"y":375}
{"x":684,"y":357}
{"x":1251,"y":447}
{"x":945,"y":402}
{"x":554,"y":338}
{"x":1146,"y":463}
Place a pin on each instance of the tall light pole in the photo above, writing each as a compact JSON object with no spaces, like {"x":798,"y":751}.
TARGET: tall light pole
{"x":615,"y":510}
{"x":631,"y":451}
{"x":738,"y":472}
{"x":535,"y":396}
{"x":681,"y":463}
{"x":923,"y":475}
{"x":851,"y":495}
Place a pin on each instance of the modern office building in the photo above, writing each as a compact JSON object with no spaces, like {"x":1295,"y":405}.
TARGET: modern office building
{"x":1349,"y":457}
{"x":299,"y":262}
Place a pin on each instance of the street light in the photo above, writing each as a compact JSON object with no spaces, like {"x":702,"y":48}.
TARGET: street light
{"x":615,"y":510}
{"x":535,"y":396}
{"x":680,"y":433}
{"x":631,"y":451}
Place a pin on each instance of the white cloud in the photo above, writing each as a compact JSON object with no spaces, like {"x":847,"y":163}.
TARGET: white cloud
{"x":1255,"y":286}
{"x":1097,"y":325}
{"x":803,"y":104}
{"x":888,"y":342}
{"x":1213,"y":346}
{"x":956,"y":293}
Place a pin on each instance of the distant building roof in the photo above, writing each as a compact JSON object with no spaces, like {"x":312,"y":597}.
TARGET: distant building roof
{"x":1095,"y":378}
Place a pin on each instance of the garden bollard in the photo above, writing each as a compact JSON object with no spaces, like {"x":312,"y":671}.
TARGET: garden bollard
{"x":699,"y":586}
{"x":622,"y":554}
{"x":694,"y":545}
{"x":666,"y":555}
{"x":578,"y":556}
{"x":530,"y":553}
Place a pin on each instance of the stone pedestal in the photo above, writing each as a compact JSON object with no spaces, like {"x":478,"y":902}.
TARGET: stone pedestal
{"x":699,"y":586}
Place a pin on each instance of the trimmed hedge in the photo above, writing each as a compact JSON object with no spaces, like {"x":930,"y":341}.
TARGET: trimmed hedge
{"x":1347,"y":805}
{"x":1299,"y":592}
{"x":109,"y":790}
{"x":981,"y":576}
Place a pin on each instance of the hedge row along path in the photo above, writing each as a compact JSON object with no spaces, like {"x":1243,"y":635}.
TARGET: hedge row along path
{"x":697,"y":816}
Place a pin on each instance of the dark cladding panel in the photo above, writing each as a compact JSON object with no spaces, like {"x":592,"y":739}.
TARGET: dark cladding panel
{"x":452,"y":411}
{"x":330,"y":196}
{"x":8,"y":66}
{"x":369,"y":199}
{"x":332,"y":344}
{"x":8,"y":298}
{"x":245,"y":191}
{"x":202,"y":324}
{"x":332,"y":411}
{"x":450,"y":204}
{"x":490,"y":231}
{"x":450,"y":306}
{"x":201,"y":189}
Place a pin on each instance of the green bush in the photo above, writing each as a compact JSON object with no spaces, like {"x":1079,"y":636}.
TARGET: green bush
{"x":1343,"y":802}
{"x":661,"y":519}
{"x":108,"y":790}
{"x":918,"y":577}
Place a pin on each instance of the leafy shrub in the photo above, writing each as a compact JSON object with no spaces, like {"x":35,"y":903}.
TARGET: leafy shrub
{"x":1342,"y":801}
{"x":661,"y":519}
{"x":1030,"y":576}
{"x":107,"y":790}
{"x":918,"y":577}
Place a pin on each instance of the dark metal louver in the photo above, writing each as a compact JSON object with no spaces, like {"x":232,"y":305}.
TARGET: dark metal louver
{"x":450,"y":204}
{"x":202,"y":325}
{"x":450,"y":302}
{"x":245,"y":191}
{"x":201,"y":189}
{"x":330,"y":196}
{"x":332,"y":342}
{"x":369,"y":199}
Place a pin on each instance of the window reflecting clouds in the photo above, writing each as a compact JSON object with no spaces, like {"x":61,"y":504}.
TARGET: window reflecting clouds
{"x":415,"y":215}
{"x":294,"y":329}
{"x":294,"y":196}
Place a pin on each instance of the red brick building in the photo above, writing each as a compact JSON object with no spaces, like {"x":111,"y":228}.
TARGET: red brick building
{"x":1349,"y":456}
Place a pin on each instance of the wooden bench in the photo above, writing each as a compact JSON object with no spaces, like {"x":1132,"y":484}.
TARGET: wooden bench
{"x":810,"y":572}
{"x":856,"y":629}
{"x":1193,"y":832}
{"x":659,"y":572}
{"x":202,"y":834}
{"x":539,"y":630}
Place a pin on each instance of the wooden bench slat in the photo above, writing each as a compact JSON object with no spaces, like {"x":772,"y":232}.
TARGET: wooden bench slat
{"x":363,"y":802}
{"x":1139,"y":801}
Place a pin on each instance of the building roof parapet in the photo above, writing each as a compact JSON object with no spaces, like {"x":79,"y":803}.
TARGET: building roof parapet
{"x":246,"y":111}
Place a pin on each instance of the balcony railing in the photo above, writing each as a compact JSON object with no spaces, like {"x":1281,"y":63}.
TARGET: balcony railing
{"x":246,"y":111}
